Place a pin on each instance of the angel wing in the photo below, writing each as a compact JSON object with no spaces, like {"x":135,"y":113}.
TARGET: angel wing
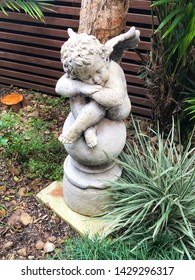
{"x":123,"y":42}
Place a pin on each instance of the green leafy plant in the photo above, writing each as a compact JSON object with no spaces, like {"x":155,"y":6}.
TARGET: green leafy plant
{"x":155,"y":197}
{"x":171,"y":61}
{"x":3,"y":141}
{"x":30,"y":7}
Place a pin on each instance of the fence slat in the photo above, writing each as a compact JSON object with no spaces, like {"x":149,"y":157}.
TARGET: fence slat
{"x":5,"y":46}
{"x":30,"y":69}
{"x":30,"y":50}
{"x":30,"y":59}
{"x":54,"y":21}
{"x":15,"y":82}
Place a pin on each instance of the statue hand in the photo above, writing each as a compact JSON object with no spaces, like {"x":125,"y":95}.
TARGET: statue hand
{"x":88,"y":89}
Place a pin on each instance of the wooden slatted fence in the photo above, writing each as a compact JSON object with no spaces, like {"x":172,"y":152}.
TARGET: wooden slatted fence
{"x":30,"y":50}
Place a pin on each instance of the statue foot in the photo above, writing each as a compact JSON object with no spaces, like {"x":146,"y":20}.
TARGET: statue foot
{"x":64,"y":140}
{"x":69,"y":137}
{"x":90,"y":137}
{"x":92,"y":144}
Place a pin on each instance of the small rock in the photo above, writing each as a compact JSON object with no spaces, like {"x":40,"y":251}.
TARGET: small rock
{"x":31,"y":257}
{"x":25,"y":219}
{"x":21,"y":191}
{"x":8,"y":245}
{"x":29,"y":108}
{"x":22,"y":252}
{"x":49,"y":247}
{"x":52,"y":239}
{"x":39,"y":245}
{"x":14,"y":220}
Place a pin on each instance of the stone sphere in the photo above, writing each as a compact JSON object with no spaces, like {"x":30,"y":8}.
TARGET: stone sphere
{"x":111,"y":136}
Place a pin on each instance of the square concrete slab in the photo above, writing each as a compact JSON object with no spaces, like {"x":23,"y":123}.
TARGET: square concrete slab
{"x":53,"y":197}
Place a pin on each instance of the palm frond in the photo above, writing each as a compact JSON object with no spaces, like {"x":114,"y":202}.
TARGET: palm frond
{"x":30,"y":7}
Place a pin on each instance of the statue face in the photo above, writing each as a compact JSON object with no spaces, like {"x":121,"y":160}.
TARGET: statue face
{"x":95,"y":73}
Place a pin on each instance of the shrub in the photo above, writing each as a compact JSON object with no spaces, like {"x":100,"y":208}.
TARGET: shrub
{"x":170,"y":66}
{"x":155,"y":197}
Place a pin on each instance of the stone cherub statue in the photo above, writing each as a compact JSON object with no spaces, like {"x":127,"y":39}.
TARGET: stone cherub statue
{"x":94,"y":132}
{"x":94,"y":82}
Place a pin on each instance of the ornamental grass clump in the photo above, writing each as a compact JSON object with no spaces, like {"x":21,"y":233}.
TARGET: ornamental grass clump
{"x":155,"y":197}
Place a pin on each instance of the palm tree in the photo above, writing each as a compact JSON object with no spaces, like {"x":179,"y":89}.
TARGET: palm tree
{"x":103,"y":18}
{"x":30,"y":7}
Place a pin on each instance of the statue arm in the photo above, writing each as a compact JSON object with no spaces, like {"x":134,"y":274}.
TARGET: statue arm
{"x":108,"y":97}
{"x":69,"y":88}
{"x":113,"y":93}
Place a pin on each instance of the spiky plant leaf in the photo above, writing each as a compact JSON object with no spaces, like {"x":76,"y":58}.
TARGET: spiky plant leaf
{"x":156,"y":194}
{"x":30,"y":7}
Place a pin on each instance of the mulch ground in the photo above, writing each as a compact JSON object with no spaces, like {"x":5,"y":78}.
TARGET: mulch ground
{"x":28,"y":229}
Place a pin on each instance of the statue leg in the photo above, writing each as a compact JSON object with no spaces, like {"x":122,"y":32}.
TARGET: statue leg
{"x":120,"y":112}
{"x":90,"y":114}
{"x":77,"y":103}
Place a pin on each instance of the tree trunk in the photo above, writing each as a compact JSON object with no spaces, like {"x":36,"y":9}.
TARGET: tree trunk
{"x":103,"y":18}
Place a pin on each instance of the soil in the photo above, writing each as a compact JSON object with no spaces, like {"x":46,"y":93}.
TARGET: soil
{"x":27,"y":226}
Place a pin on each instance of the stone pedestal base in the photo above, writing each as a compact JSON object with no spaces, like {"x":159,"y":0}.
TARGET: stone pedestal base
{"x":85,"y":188}
{"x":52,"y":196}
{"x":87,"y":171}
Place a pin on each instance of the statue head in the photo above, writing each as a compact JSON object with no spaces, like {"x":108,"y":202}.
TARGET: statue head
{"x":80,"y":54}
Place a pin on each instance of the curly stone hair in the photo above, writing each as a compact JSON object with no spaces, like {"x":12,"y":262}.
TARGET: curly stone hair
{"x":78,"y":51}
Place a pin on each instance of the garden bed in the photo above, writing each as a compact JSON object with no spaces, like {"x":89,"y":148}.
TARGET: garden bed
{"x":25,"y":224}
{"x":31,"y":158}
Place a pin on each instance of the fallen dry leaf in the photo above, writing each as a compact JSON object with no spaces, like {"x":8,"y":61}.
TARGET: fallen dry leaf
{"x":14,"y":220}
{"x":7,"y":245}
{"x":21,"y":191}
{"x":2,"y":212}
